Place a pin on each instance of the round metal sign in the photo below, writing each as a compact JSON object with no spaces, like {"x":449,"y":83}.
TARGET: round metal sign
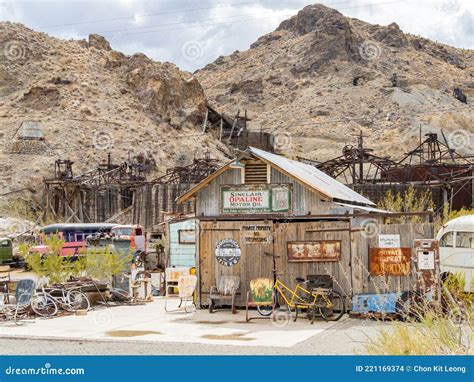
{"x":227,"y":252}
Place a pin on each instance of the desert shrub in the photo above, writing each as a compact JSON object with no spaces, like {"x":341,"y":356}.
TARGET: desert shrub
{"x":442,"y":329}
{"x":410,"y":201}
{"x":433,"y":334}
{"x":96,"y":263}
{"x":50,"y":264}
{"x":103,"y":263}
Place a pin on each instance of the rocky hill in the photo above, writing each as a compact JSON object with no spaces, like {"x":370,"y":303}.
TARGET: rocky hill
{"x":90,"y":100}
{"x":321,"y":77}
{"x":314,"y":82}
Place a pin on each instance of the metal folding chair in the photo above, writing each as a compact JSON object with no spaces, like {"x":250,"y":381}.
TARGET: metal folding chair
{"x":261,"y":296}
{"x":186,"y":287}
{"x":25,"y":290}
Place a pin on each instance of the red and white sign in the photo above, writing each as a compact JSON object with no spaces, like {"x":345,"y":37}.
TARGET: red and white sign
{"x":246,"y":199}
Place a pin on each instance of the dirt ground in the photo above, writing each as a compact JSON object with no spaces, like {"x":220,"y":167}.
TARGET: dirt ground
{"x":148,"y":329}
{"x":348,"y":336}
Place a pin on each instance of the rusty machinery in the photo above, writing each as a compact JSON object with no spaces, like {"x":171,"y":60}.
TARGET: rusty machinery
{"x":357,"y":164}
{"x":432,"y":164}
{"x":199,"y":169}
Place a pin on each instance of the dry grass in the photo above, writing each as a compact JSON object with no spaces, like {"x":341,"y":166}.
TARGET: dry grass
{"x":439,"y":329}
{"x":434,"y":334}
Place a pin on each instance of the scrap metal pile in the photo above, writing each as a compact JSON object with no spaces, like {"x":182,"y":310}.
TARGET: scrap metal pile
{"x":432,"y":165}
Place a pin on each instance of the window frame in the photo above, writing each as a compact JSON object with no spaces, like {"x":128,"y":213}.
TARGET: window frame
{"x":453,"y":240}
{"x":469,"y":234}
{"x":180,"y":241}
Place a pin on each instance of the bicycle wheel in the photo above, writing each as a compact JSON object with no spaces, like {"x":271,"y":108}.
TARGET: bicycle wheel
{"x":266,"y":310}
{"x":44,"y":305}
{"x":337,"y":310}
{"x":76,"y":300}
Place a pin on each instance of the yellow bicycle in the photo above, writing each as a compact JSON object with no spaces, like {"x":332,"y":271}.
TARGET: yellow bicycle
{"x":324,"y":302}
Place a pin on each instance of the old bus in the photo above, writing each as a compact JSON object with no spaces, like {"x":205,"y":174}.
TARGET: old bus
{"x":456,"y":246}
{"x":73,"y":234}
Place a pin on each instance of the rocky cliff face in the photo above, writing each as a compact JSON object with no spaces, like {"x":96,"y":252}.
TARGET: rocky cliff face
{"x":91,"y":100}
{"x":321,"y":77}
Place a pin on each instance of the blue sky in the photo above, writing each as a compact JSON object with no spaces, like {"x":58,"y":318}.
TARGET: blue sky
{"x":194,"y":33}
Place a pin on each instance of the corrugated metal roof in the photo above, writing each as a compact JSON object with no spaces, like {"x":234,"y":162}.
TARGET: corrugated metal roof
{"x":364,"y":208}
{"x":312,"y":177}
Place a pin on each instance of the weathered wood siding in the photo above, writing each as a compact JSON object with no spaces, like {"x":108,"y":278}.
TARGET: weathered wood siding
{"x":363,"y":281}
{"x":350,"y":274}
{"x":208,"y":199}
{"x":252,"y":263}
{"x":152,"y":200}
{"x":339,"y":270}
{"x":304,"y":200}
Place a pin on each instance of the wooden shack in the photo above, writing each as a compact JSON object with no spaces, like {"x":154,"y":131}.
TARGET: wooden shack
{"x":263,"y":203}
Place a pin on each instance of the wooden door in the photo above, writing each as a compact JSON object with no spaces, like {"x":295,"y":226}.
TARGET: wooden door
{"x":252,"y":263}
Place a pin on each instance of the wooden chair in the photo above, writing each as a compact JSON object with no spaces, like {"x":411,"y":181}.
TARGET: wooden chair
{"x":225,"y":290}
{"x":186,"y":287}
{"x":261,"y":294}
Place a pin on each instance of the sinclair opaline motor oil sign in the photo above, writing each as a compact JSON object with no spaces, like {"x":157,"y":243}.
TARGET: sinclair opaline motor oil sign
{"x":255,"y":199}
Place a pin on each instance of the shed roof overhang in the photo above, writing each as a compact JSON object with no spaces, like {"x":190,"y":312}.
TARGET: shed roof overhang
{"x":306,"y":175}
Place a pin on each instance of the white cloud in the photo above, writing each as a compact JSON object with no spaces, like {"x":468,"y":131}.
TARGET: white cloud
{"x":160,"y":30}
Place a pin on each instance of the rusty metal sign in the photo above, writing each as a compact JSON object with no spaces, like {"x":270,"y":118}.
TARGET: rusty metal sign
{"x":304,"y":251}
{"x":390,"y":261}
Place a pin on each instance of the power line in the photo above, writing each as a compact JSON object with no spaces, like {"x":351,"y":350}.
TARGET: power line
{"x":197,"y":26}
{"x":236,"y":21}
{"x":208,"y":19}
{"x":176,"y":23}
{"x":146,"y":15}
{"x":171,"y":12}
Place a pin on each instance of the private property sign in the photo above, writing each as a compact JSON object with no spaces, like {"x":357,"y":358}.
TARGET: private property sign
{"x":255,"y":199}
{"x":389,"y":261}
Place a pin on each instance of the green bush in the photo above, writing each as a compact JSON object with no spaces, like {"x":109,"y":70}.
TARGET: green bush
{"x":96,"y":263}
{"x":103,"y":264}
{"x":410,"y":201}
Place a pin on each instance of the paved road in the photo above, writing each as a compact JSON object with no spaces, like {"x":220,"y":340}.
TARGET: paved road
{"x":348,"y":336}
